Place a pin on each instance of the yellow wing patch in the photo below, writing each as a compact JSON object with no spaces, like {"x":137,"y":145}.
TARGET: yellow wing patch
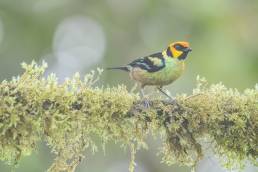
{"x":156,"y":61}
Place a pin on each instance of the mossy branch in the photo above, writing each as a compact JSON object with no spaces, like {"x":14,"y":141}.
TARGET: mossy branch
{"x":70,"y":115}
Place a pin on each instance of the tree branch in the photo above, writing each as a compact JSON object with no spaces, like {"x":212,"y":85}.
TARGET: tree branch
{"x":69,"y":115}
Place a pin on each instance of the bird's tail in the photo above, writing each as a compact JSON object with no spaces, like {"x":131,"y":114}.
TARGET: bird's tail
{"x":124,"y":68}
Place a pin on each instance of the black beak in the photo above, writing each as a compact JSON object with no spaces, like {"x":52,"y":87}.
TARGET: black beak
{"x":188,"y":49}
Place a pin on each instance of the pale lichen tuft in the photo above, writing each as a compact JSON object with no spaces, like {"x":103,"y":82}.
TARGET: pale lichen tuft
{"x":69,"y":115}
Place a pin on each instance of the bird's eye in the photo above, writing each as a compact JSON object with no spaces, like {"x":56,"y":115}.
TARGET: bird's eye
{"x":179,"y":47}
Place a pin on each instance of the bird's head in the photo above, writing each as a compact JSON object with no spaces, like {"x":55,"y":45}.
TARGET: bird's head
{"x":178,"y":50}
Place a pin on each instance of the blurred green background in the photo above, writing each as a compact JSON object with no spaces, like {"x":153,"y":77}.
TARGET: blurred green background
{"x":80,"y":35}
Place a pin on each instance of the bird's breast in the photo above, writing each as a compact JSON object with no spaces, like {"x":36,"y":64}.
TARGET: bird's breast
{"x":168,"y":74}
{"x":172,"y":71}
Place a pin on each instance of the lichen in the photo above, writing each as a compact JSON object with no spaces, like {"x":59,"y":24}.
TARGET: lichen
{"x":69,"y":115}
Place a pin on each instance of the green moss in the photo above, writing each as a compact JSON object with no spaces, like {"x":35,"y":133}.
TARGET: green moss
{"x":68,"y":115}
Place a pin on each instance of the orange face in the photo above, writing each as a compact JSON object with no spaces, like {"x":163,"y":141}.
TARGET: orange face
{"x":179,"y":49}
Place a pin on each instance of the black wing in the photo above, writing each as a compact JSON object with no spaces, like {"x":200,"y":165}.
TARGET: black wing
{"x":152,"y":63}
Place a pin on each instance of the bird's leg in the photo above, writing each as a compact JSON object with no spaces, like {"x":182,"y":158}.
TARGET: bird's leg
{"x":163,"y":92}
{"x":173,"y":100}
{"x":146,"y":102}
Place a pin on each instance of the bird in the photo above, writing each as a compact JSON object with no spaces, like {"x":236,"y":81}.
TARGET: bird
{"x":158,"y":69}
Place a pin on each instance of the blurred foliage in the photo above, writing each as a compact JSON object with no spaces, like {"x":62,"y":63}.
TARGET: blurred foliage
{"x":68,"y":116}
{"x":223,"y":35}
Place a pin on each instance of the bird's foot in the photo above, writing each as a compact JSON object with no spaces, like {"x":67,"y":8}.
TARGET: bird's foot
{"x":172,"y":101}
{"x":146,"y":103}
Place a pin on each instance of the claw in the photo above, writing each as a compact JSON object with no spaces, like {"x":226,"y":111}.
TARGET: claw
{"x":163,"y":92}
{"x":171,"y":101}
{"x":146,"y":103}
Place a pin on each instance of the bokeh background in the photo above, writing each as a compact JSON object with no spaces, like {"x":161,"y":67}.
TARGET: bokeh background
{"x":80,"y":35}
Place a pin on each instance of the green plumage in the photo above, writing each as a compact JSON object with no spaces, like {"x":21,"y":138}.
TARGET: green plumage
{"x":170,"y":72}
{"x":159,"y":69}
